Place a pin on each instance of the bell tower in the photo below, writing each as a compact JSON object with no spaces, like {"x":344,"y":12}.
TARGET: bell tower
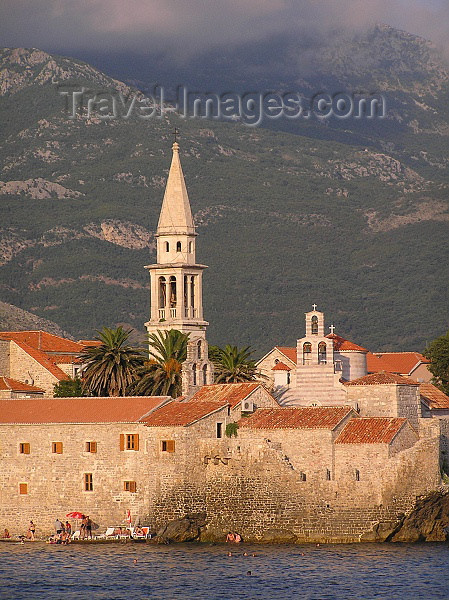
{"x":176,"y":279}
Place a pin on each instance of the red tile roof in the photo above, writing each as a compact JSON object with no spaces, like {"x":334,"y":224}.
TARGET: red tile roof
{"x":6,"y":383}
{"x":43,"y":360}
{"x":41,"y":340}
{"x":382,"y":379}
{"x":280,"y":366}
{"x":370,"y":430}
{"x":181,"y":413}
{"x":90,"y":342}
{"x":304,"y":417}
{"x":340,"y":344}
{"x":433,"y":397}
{"x":288,"y":352}
{"x":225,"y":393}
{"x":394,"y":362}
{"x":128,"y":409}
{"x":64,"y":359}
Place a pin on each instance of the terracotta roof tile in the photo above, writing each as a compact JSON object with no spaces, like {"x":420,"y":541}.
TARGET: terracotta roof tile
{"x":129,"y":409}
{"x":226,"y":393}
{"x":181,"y":414}
{"x":304,"y":417}
{"x":90,"y":343}
{"x":280,"y":366}
{"x":41,"y":340}
{"x":394,"y":362}
{"x":340,"y":344}
{"x":370,"y":430}
{"x":43,"y":360}
{"x":288,"y":352}
{"x":6,"y":383}
{"x":382,"y":379}
{"x":64,"y":359}
{"x":433,"y":397}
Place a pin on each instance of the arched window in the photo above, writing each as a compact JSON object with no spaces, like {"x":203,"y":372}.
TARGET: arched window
{"x":190,"y":247}
{"x":167,"y":247}
{"x":194,"y":373}
{"x":199,"y":350}
{"x":322,"y":349}
{"x":205,"y":375}
{"x":315,"y":325}
{"x":178,"y":246}
{"x":306,"y":352}
{"x":172,"y":291}
{"x":162,"y":292}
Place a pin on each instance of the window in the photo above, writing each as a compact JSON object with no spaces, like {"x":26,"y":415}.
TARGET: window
{"x":130,"y":486}
{"x":204,"y":374}
{"x":56,"y":447}
{"x":219,"y":430}
{"x":315,"y":325}
{"x":328,"y":475}
{"x":194,"y":374}
{"x":129,"y":441}
{"x":167,"y":247}
{"x":288,"y":377}
{"x":168,"y":446}
{"x":302,"y":476}
{"x":306,"y":352}
{"x":322,"y":350}
{"x":88,"y":482}
{"x":357,"y":475}
{"x":24,"y":448}
{"x":178,"y":246}
{"x":199,"y":349}
{"x":91,"y":447}
{"x":190,"y":247}
{"x":23,"y":489}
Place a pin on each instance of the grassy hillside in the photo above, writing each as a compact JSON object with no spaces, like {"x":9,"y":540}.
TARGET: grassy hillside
{"x":283,"y":220}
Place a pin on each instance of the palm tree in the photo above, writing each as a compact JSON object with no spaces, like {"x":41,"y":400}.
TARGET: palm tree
{"x":233,"y":365}
{"x":162,"y":374}
{"x":110,"y":367}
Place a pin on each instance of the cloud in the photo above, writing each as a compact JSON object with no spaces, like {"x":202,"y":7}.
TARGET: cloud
{"x":182,"y":28}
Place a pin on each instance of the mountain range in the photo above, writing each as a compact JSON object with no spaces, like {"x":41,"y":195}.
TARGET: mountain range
{"x":350,"y":215}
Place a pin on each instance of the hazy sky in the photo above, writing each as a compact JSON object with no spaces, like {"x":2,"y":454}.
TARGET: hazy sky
{"x":184,"y":27}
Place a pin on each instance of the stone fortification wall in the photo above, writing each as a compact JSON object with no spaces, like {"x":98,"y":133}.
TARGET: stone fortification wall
{"x":278,"y":484}
{"x":55,"y":482}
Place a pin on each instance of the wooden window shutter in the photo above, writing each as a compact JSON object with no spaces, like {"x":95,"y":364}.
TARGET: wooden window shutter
{"x":26,"y":448}
{"x":59,"y":447}
{"x":170,"y":446}
{"x":132,"y":486}
{"x":23,"y":488}
{"x":122,"y":441}
{"x":93,"y":446}
{"x":136,"y":441}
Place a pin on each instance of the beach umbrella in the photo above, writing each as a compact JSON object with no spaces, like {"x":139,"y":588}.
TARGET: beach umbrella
{"x":75,"y":515}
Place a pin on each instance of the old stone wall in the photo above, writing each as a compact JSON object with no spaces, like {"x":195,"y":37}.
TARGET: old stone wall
{"x":4,"y":358}
{"x":279,"y":484}
{"x":25,"y":368}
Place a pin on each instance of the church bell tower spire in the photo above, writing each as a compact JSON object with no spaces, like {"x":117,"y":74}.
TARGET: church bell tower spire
{"x":176,"y":280}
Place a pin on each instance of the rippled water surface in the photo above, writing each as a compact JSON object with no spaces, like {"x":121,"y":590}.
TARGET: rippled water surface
{"x":387,"y":571}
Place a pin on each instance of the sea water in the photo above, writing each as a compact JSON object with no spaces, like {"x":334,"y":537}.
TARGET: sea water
{"x":201,"y":571}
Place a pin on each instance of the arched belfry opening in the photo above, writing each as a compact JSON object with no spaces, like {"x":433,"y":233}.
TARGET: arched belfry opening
{"x":322,"y":353}
{"x":306,"y":353}
{"x":314,"y":325}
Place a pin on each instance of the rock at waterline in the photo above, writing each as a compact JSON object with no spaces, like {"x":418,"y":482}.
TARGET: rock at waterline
{"x":186,"y":529}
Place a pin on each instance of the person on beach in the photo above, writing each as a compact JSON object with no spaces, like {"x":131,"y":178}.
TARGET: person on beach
{"x":83,"y":527}
{"x":237,"y":538}
{"x":88,"y":527}
{"x":31,"y":531}
{"x":58,"y":527}
{"x":230,"y":537}
{"x":68,"y":528}
{"x":6,"y":534}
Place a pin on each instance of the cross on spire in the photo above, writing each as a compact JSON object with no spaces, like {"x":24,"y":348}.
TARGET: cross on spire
{"x":175,"y":133}
{"x":332,"y":328}
{"x":314,"y":306}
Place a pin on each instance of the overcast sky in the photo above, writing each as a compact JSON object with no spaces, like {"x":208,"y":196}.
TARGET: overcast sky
{"x":183,"y":27}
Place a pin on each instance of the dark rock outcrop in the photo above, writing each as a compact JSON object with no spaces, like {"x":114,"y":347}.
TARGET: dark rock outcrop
{"x":186,"y":529}
{"x":278,"y":536}
{"x":428,"y":521}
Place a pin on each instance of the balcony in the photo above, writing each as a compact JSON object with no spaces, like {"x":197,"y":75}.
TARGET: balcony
{"x":162,"y":313}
